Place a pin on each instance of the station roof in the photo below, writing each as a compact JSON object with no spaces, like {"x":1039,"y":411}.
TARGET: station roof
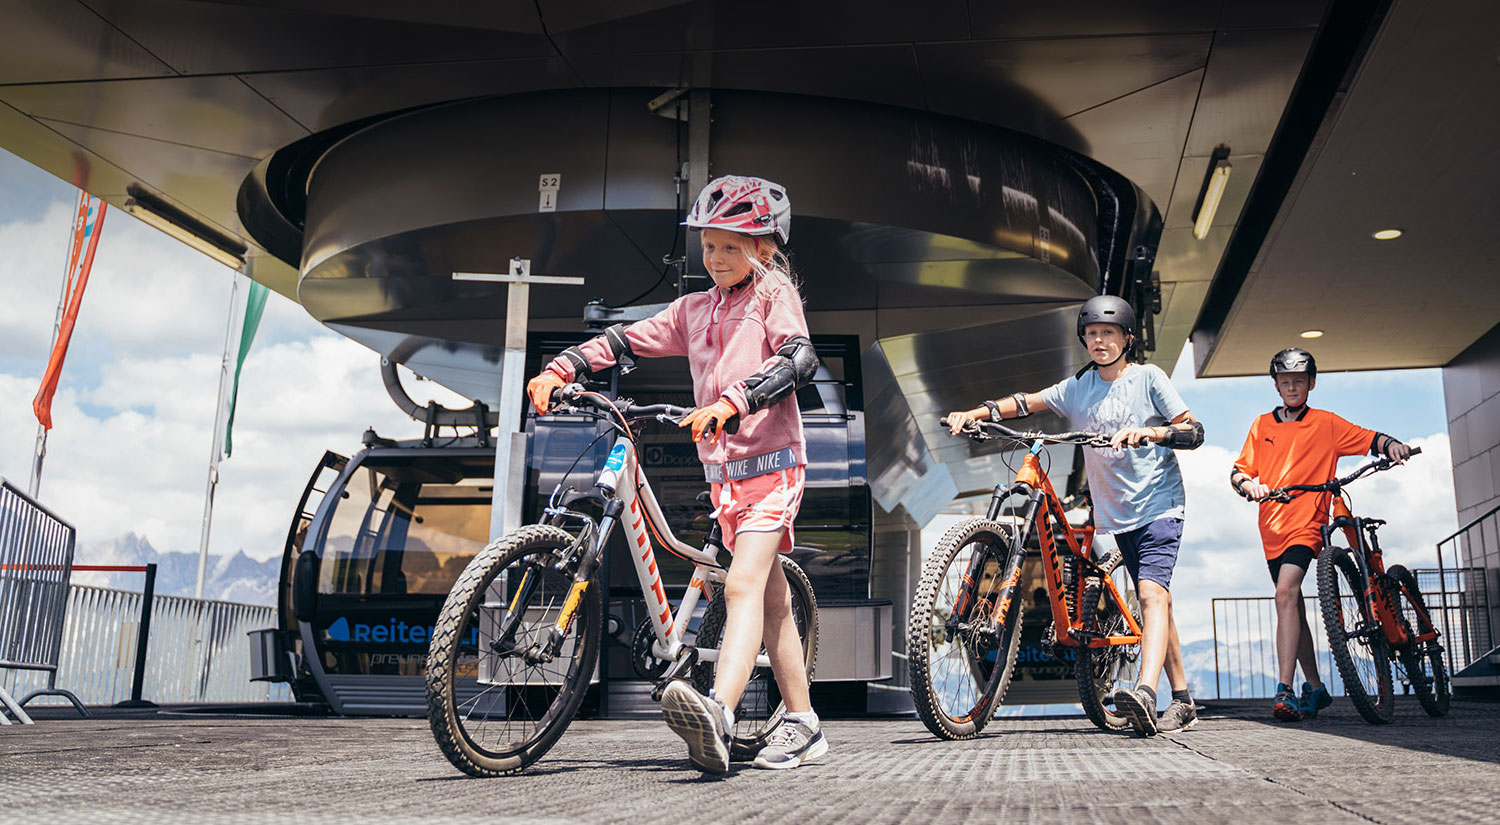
{"x":185,"y":98}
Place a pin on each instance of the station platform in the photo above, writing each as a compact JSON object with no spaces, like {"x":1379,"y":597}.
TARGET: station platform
{"x":1237,"y":765}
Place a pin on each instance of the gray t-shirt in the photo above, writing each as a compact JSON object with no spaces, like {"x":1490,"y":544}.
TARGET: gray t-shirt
{"x":1130,"y":487}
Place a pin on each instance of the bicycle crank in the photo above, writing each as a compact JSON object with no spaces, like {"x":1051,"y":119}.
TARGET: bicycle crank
{"x":687,"y":658}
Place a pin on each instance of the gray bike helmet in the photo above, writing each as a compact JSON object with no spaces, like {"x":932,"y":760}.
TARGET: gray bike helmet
{"x":1106,"y":309}
{"x":1294,"y":359}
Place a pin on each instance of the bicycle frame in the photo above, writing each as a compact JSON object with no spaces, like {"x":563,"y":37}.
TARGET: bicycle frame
{"x":1044,"y":512}
{"x":632,"y":504}
{"x":1376,"y":604}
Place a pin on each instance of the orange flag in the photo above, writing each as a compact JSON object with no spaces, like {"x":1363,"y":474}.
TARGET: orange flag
{"x":87,"y":221}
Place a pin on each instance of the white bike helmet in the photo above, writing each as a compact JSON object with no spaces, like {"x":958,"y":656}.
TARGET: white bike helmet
{"x":749,"y":206}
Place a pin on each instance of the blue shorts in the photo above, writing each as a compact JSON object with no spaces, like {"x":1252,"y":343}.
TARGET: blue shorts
{"x":1151,"y":551}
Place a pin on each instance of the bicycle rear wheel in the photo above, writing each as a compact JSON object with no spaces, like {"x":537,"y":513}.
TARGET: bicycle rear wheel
{"x":495,"y":706}
{"x":1422,"y":661}
{"x":761,"y":706}
{"x":960,"y":662}
{"x":1100,"y":669}
{"x":1358,"y":645}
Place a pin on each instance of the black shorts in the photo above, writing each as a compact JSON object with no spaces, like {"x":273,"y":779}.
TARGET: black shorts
{"x":1296,"y":554}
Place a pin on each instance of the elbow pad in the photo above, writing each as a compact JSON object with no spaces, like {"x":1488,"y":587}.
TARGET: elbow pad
{"x":619,"y":347}
{"x":1190,"y":439}
{"x":1236,"y":479}
{"x":796,"y":362}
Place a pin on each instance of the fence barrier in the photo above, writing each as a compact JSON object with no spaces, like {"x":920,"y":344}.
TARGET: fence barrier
{"x":197,"y":649}
{"x":36,"y":556}
{"x":1468,"y":549}
{"x":1245,"y":665}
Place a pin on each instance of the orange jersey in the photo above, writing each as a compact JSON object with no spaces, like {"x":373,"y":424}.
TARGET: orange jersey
{"x":1298,"y":452}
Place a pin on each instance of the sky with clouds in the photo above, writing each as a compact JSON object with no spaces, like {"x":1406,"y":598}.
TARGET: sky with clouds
{"x":134,"y":411}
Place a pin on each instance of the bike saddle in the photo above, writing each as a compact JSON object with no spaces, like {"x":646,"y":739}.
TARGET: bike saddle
{"x":706,"y":500}
{"x":1374,"y":522}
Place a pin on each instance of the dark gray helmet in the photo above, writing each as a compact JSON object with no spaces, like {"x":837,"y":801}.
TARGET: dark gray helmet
{"x":1106,"y":309}
{"x":1294,"y":359}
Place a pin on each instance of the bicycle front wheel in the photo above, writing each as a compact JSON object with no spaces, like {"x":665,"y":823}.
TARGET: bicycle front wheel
{"x":960,"y":659}
{"x":761,"y":706}
{"x":1099,"y":670}
{"x":497,"y":696}
{"x":1422,"y":661}
{"x":1358,"y":643}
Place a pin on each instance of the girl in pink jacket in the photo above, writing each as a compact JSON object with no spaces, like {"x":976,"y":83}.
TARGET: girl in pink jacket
{"x":747,"y":348}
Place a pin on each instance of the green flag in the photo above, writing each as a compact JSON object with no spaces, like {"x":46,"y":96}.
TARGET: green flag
{"x":254,"y":306}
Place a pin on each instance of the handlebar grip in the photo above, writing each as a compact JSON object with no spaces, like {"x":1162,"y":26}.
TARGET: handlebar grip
{"x":1416,"y":450}
{"x":732,"y":425}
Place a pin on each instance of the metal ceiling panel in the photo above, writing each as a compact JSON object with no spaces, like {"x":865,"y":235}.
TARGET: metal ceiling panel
{"x":1029,"y":84}
{"x":63,"y":40}
{"x":513,"y":17}
{"x":191,"y":178}
{"x":878,"y":74}
{"x":321,"y":99}
{"x":218,"y":113}
{"x":1270,"y":14}
{"x":51,"y":151}
{"x":777,"y":24}
{"x":1141,"y":136}
{"x":1245,"y":89}
{"x":215,"y":38}
{"x":1091,"y":18}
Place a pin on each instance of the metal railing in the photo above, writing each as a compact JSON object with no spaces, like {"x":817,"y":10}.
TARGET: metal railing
{"x":196,"y":653}
{"x":1470,"y":548}
{"x":1245,"y":647}
{"x":36,"y":556}
{"x":1245,"y":665}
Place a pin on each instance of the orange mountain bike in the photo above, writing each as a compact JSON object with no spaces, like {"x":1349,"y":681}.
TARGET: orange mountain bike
{"x":1371,"y":613}
{"x":965,"y":622}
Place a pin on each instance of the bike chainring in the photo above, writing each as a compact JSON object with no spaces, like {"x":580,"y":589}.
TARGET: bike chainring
{"x":646,"y":665}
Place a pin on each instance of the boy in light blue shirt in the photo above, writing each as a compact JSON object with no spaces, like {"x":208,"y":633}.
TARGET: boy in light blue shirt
{"x":1135,"y":484}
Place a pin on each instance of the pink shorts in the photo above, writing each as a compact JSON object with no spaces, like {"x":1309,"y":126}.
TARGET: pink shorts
{"x":760,"y":504}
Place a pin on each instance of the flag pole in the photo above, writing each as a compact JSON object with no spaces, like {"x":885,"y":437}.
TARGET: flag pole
{"x":218,"y":440}
{"x":34,"y":489}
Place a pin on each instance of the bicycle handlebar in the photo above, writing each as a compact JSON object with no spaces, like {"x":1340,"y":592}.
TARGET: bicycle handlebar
{"x":985,"y":430}
{"x":574,"y":395}
{"x":1285,"y":494}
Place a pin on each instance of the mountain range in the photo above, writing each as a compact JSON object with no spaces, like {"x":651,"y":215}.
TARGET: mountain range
{"x":235,"y":578}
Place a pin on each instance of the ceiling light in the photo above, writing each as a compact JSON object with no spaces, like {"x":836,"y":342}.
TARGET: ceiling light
{"x":1387,"y":235}
{"x":1212,"y":192}
{"x":152,"y":214}
{"x":1312,"y":333}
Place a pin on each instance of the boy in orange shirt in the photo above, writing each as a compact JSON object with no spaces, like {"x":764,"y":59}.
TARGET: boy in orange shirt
{"x":1295,"y":444}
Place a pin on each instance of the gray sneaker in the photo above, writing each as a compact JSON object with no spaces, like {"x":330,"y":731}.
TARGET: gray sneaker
{"x":1135,"y":706}
{"x":793,"y":743}
{"x":1179,"y":715}
{"x":699,"y":720}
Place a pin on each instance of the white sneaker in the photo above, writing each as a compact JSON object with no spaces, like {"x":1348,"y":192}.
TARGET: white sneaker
{"x":793,"y":743}
{"x":699,"y":720}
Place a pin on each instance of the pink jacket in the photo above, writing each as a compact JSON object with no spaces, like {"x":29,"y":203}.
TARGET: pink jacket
{"x":727,"y":337}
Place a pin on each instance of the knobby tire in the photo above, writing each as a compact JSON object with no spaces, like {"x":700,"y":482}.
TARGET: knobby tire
{"x":1341,"y":597}
{"x":540,"y":712}
{"x":926,"y":631}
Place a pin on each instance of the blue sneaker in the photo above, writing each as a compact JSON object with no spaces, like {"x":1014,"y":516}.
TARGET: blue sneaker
{"x":1313,"y":700}
{"x":1285,"y":707}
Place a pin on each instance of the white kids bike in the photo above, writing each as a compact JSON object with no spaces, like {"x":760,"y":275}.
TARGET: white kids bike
{"x":516,"y":644}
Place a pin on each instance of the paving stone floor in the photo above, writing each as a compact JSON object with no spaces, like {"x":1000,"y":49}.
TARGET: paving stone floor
{"x":1236,"y":766}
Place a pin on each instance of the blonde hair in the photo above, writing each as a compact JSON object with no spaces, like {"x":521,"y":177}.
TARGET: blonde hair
{"x":766,"y":262}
